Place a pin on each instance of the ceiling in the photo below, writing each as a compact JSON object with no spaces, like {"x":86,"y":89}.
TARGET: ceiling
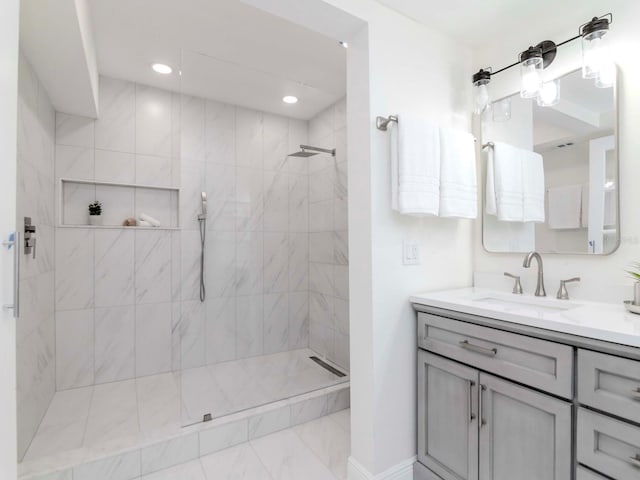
{"x":226,"y":50}
{"x":481,"y":23}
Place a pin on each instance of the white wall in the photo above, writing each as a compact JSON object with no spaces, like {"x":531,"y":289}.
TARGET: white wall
{"x":603,"y":278}
{"x":411,"y":69}
{"x":9,"y":21}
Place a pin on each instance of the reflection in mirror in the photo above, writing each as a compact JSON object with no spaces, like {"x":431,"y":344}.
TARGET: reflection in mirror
{"x":564,"y":155}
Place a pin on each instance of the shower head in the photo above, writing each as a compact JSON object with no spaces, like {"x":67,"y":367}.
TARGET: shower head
{"x":309,"y":151}
{"x":303,"y":154}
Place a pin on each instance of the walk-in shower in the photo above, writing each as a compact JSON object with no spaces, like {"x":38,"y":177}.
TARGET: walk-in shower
{"x":202,"y":224}
{"x":233,"y":309}
{"x":309,"y":151}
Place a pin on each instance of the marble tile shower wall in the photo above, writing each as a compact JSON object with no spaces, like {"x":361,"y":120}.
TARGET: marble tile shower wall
{"x":257,"y":234}
{"x":116,"y":298}
{"x":328,"y":237}
{"x":35,"y":195}
{"x":127,"y":300}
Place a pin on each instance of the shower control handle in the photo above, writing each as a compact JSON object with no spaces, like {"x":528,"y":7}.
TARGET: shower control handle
{"x":29,"y":237}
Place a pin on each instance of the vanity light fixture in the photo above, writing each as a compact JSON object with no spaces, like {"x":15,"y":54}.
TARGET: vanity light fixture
{"x":596,"y":64}
{"x":162,"y":68}
{"x":344,"y":44}
{"x":531,"y":72}
{"x":595,"y":48}
{"x":290,"y":99}
{"x":481,"y":93}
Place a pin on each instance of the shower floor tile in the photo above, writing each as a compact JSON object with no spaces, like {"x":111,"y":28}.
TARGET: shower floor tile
{"x":124,"y":414}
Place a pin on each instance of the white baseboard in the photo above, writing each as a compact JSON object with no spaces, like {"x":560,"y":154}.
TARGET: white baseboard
{"x":401,"y":471}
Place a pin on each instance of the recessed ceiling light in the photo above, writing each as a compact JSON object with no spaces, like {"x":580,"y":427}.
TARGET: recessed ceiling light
{"x":344,"y":44}
{"x":162,"y":68}
{"x":290,"y":99}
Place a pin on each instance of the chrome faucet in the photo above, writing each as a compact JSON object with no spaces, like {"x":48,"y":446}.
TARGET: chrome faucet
{"x":540,"y":291}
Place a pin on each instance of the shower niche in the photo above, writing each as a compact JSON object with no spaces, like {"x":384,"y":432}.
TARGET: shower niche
{"x":120,"y":202}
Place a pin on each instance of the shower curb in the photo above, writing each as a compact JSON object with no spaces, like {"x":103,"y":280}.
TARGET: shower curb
{"x":194,"y":441}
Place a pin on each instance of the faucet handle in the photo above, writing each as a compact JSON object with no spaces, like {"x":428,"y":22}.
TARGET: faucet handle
{"x":563,"y":294}
{"x":517,"y":287}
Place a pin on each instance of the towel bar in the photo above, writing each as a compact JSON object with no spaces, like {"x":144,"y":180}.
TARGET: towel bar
{"x":382,"y":123}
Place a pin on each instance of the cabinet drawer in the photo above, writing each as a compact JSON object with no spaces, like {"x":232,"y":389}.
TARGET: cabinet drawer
{"x":609,"y":383}
{"x":608,"y":445}
{"x":541,"y":364}
{"x":585,"y":474}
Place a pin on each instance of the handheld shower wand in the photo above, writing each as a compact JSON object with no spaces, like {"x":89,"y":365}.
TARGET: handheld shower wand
{"x":203,"y":215}
{"x":202,"y":221}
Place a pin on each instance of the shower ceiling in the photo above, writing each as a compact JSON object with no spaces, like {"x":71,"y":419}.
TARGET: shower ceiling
{"x":237,"y":54}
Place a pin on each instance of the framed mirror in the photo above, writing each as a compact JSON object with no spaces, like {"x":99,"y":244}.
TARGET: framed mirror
{"x":576,"y":141}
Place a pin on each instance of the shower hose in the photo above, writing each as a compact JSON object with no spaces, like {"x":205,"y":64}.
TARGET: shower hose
{"x":203,"y":236}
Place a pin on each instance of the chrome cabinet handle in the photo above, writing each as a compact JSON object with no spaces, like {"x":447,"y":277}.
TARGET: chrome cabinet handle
{"x":491,"y":352}
{"x":472,"y":416}
{"x":15,"y":244}
{"x":635,"y":461}
{"x":483,"y":421}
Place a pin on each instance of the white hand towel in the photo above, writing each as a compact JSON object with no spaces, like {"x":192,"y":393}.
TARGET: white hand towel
{"x":415,"y":166}
{"x":150,"y":219}
{"x":565,"y":207}
{"x":458,"y":182}
{"x":490,"y":188}
{"x":584,"y":210}
{"x":506,"y":183}
{"x":143,"y":223}
{"x":532,"y":186}
{"x":610,"y":208}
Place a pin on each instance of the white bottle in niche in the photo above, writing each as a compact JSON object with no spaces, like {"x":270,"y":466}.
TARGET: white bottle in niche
{"x":636,"y":293}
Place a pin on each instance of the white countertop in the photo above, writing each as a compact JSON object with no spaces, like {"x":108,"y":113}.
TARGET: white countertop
{"x":601,"y":321}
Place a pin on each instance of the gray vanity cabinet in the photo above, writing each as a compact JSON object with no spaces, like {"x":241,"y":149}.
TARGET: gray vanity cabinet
{"x":472,"y":425}
{"x":448,"y":417}
{"x":523,"y":434}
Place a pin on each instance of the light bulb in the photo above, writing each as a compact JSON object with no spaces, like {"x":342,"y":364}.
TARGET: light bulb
{"x":162,"y":68}
{"x":549,"y":93}
{"x":481,"y":98}
{"x":530,"y":82}
{"x":607,"y":75}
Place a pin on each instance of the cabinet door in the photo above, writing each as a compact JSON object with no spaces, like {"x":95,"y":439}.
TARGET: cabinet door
{"x":523,"y":434}
{"x":447,"y":417}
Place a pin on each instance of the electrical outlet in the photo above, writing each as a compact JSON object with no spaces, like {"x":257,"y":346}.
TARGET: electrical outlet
{"x":410,"y":253}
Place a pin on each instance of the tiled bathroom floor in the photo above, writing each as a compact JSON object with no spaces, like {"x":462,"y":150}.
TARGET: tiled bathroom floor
{"x":123,"y":414}
{"x":317,"y":450}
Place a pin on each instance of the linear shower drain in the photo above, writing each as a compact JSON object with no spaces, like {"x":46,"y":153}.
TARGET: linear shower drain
{"x":328,"y":367}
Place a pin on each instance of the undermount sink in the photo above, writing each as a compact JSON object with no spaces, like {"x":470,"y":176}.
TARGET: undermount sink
{"x":529,"y":303}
